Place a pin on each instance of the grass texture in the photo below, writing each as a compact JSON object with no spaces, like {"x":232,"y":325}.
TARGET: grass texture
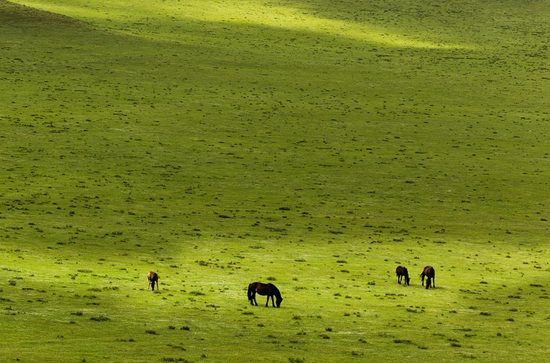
{"x":315,"y":144}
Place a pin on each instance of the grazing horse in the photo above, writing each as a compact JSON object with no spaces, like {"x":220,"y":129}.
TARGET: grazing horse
{"x":402,"y":273}
{"x":264,"y":289}
{"x":152,"y":278}
{"x":428,"y":272}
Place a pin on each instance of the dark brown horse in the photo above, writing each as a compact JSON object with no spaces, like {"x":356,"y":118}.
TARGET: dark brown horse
{"x":428,"y":272}
{"x":402,"y":274}
{"x":152,"y":278}
{"x":264,"y":289}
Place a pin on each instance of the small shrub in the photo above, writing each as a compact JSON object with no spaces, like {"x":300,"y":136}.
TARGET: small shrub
{"x":100,"y":318}
{"x":402,"y":341}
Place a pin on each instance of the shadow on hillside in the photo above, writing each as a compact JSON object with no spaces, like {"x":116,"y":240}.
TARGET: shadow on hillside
{"x":16,"y":15}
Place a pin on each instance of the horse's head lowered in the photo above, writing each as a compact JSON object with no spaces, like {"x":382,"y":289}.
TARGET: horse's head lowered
{"x":278,"y":300}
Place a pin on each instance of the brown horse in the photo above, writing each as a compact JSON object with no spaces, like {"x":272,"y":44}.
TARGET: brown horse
{"x":402,"y":274}
{"x":264,"y":289}
{"x":428,"y":272}
{"x":152,"y":278}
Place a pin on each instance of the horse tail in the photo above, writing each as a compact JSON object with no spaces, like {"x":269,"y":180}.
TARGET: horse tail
{"x":251,"y":288}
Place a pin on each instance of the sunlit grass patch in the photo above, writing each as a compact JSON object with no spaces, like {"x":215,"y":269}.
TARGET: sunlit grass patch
{"x":153,"y":20}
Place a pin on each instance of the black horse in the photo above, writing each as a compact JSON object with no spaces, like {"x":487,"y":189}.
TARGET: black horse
{"x":264,"y":289}
{"x":152,"y":278}
{"x":402,"y":274}
{"x":428,"y":272}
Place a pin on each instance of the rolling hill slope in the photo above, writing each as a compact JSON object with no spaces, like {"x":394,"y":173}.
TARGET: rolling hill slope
{"x":316,"y":143}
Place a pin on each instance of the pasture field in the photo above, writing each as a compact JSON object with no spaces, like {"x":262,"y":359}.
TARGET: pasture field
{"x":316,"y":144}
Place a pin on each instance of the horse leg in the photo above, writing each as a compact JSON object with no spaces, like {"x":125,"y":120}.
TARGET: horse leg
{"x":272,"y":301}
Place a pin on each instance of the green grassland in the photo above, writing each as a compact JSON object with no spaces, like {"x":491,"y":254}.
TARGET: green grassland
{"x":313,"y":143}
